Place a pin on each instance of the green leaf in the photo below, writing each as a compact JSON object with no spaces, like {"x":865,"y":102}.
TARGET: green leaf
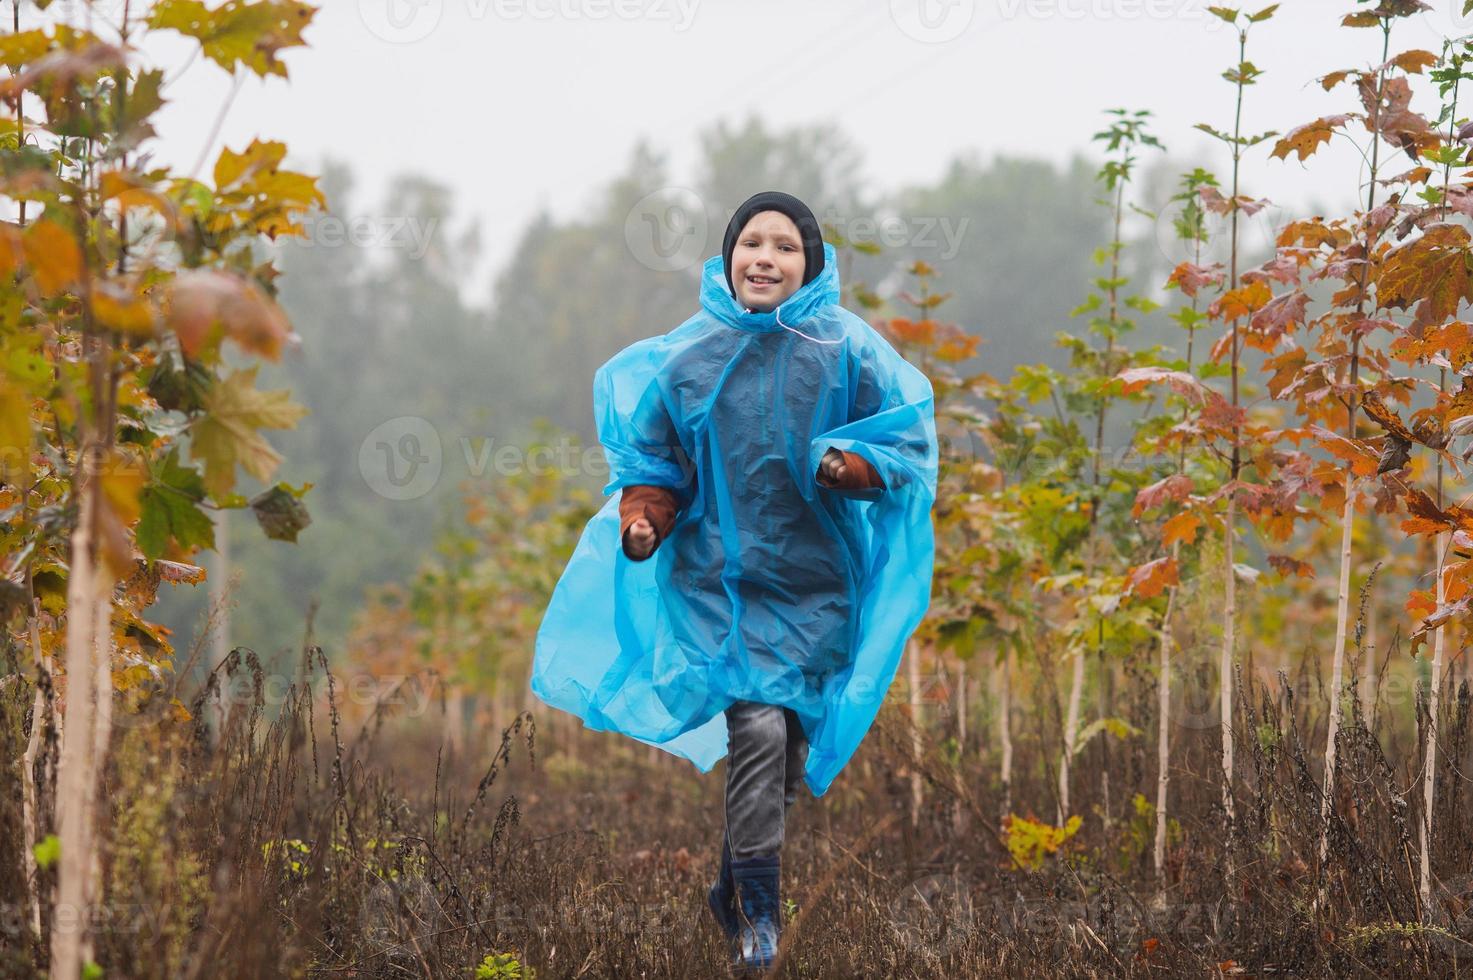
{"x":143,"y":100}
{"x":1263,"y":14}
{"x":1118,"y":727}
{"x":47,"y":851}
{"x":170,"y":509}
{"x":1224,"y":13}
{"x":200,"y":197}
{"x":179,"y":390}
{"x":238,"y":32}
{"x":1243,"y":74}
{"x":1089,"y":305}
{"x":17,"y":50}
{"x":227,"y":434}
{"x":166,"y":515}
{"x":1188,"y":318}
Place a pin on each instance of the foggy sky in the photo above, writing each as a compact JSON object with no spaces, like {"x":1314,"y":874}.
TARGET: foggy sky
{"x":517,"y":104}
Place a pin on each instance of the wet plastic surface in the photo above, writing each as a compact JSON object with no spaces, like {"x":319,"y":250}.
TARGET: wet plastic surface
{"x":770,"y":587}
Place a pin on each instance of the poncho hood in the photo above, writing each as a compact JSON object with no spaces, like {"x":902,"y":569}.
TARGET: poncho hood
{"x":808,"y":299}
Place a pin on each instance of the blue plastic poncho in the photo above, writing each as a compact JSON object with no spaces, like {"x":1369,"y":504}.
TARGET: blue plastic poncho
{"x":770,"y":587}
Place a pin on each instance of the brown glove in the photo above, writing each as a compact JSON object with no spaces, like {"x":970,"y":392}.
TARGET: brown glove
{"x":858,"y":474}
{"x":655,"y":504}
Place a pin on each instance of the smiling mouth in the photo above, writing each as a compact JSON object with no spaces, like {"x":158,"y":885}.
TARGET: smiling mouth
{"x":760,"y":281}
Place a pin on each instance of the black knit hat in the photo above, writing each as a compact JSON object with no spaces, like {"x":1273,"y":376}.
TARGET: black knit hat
{"x":808,"y":231}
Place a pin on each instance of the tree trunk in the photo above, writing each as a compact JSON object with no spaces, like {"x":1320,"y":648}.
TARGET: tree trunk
{"x":1429,"y":764}
{"x":1337,"y":667}
{"x":220,"y":584}
{"x":455,"y":721}
{"x":77,"y":776}
{"x":30,"y":803}
{"x":1005,"y":732}
{"x":219,"y":595}
{"x":959,"y":702}
{"x":1071,"y":733}
{"x":1369,"y":653}
{"x":914,"y":675}
{"x":1163,"y":729}
{"x":961,"y":707}
{"x":1104,"y":703}
{"x":1225,"y":667}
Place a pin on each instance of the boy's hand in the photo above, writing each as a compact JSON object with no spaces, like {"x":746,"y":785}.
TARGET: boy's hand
{"x":640,"y":539}
{"x":831,"y":468}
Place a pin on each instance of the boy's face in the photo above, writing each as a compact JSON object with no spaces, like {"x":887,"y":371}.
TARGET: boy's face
{"x":767,"y":264}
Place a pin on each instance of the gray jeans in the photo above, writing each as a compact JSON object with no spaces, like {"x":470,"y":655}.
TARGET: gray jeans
{"x":766,"y":753}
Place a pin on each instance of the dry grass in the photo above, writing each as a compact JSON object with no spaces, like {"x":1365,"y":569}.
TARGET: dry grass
{"x":290,"y":847}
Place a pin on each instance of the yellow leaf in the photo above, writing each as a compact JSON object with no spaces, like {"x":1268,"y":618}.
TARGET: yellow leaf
{"x":254,"y":192}
{"x":1353,"y":451}
{"x":64,"y":68}
{"x":1240,"y":302}
{"x":1151,"y":579}
{"x":114,"y":546}
{"x":121,"y":480}
{"x":227,"y":434}
{"x":1455,"y":579}
{"x":130,"y":191}
{"x":1031,"y":841}
{"x":18,"y":49}
{"x":15,"y":433}
{"x":118,"y":307}
{"x":1305,"y":140}
{"x":123,"y":477}
{"x":12,"y":249}
{"x":1182,"y":527}
{"x":239,"y":32}
{"x":233,"y":168}
{"x":53,"y":256}
{"x":1414,"y":62}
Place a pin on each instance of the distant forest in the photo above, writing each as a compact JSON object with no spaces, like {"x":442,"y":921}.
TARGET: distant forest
{"x":385,"y":333}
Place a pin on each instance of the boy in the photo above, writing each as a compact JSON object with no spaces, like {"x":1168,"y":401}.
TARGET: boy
{"x":770,"y":549}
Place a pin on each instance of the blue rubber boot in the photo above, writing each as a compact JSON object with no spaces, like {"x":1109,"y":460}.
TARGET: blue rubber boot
{"x":722,"y":896}
{"x":760,"y":922}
